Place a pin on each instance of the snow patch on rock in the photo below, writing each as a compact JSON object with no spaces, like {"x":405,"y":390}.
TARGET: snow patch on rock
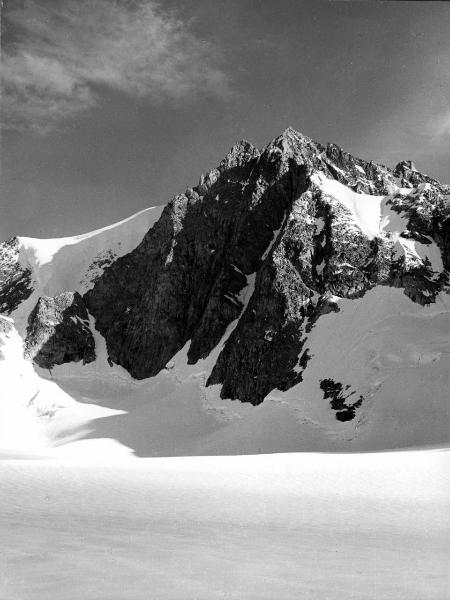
{"x":364,"y":208}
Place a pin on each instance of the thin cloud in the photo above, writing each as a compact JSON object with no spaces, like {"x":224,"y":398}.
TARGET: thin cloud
{"x":66,"y":51}
{"x":440,"y":127}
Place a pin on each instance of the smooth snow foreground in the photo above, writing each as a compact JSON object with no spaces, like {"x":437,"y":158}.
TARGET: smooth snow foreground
{"x":297,"y":526}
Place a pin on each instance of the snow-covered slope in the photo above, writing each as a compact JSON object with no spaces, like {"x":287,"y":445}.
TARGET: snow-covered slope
{"x":73,"y":263}
{"x":393,"y":353}
{"x":29,"y":403}
{"x":365,"y":209}
{"x":281,"y":527}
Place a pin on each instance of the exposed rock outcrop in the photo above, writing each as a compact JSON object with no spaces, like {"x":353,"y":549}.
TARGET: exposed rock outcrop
{"x":6,"y":327}
{"x":339,"y":397}
{"x":58,"y":331}
{"x":15,"y":279}
{"x":410,"y":177}
{"x":183,"y":282}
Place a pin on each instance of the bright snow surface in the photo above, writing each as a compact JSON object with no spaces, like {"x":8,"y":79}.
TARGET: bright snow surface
{"x":365,"y":208}
{"x":286,"y":526}
{"x":62,"y":264}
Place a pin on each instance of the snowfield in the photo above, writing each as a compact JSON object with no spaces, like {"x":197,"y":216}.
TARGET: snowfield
{"x":365,"y":208}
{"x":286,"y":526}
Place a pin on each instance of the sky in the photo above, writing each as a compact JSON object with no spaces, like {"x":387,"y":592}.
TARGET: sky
{"x":111,"y":106}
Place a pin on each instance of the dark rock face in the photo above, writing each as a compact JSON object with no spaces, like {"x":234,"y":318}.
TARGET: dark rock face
{"x":428,"y":220}
{"x":411,"y":177}
{"x":15,"y":280}
{"x":359,"y":175}
{"x":58,"y":331}
{"x":183,"y":281}
{"x":5,"y":328}
{"x":259,"y":214}
{"x":264,"y":349}
{"x":339,"y":399}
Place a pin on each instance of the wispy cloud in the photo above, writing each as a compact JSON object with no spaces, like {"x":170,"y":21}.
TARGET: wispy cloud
{"x":65,"y":51}
{"x":440,"y":126}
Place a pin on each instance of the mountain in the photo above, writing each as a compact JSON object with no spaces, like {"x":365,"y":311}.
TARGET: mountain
{"x":296,"y":298}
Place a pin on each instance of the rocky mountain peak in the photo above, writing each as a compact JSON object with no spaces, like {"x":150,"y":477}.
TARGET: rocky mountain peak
{"x":15,"y":277}
{"x":405,"y":166}
{"x":292,"y":136}
{"x":6,"y":326}
{"x":409,"y":176}
{"x":246,"y":263}
{"x":292,"y":145}
{"x":241,"y":153}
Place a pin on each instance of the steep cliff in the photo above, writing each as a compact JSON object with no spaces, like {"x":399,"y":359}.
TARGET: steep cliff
{"x":58,"y":331}
{"x":15,"y":277}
